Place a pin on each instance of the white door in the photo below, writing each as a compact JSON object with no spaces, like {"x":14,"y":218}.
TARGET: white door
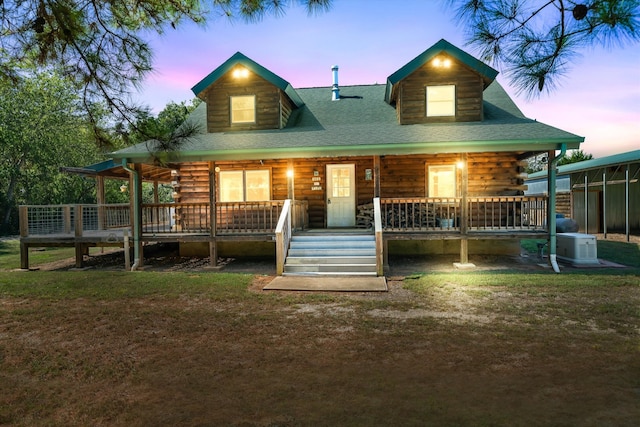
{"x":341,"y":195}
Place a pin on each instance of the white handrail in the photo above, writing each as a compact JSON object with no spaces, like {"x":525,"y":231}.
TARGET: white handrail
{"x":377,"y":225}
{"x":283,"y":236}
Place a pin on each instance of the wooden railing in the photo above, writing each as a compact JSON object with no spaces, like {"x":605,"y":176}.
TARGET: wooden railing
{"x":72,"y":220}
{"x":499,"y":213}
{"x":158,"y":218}
{"x":283,"y":236}
{"x":377,"y":227}
{"x":418,"y":214}
{"x":506,"y":213}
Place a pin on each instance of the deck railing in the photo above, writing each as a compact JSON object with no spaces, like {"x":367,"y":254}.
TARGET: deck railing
{"x":419,"y":214}
{"x":231,"y":217}
{"x":72,"y":220}
{"x":499,"y":213}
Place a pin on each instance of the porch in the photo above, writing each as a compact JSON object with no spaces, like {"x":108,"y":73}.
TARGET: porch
{"x":463,"y":219}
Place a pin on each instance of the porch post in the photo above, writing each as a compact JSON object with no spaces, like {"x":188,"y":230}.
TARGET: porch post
{"x":24,"y":232}
{"x":213,"y":245}
{"x":100,"y":199}
{"x":290,"y":180}
{"x":376,"y":176}
{"x":137,"y":201}
{"x":464,"y":212}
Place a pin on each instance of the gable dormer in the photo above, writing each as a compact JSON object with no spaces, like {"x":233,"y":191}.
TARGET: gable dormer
{"x":242,"y":95}
{"x":443,"y":84}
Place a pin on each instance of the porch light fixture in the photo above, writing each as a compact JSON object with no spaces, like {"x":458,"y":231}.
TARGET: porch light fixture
{"x":123,"y":188}
{"x":460,"y":164}
{"x":240,"y":73}
{"x":217,"y":169}
{"x":289,"y":173}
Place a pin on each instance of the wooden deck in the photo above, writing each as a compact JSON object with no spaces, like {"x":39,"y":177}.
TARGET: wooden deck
{"x":84,"y":226}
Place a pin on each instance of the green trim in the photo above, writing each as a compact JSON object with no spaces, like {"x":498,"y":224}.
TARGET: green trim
{"x":364,"y":150}
{"x":239,"y":58}
{"x":488,"y":73}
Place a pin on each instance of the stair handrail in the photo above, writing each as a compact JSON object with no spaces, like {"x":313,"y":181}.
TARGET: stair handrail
{"x":377,"y":226}
{"x":283,"y":236}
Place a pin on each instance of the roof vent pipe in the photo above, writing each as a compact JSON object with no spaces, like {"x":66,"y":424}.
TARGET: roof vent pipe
{"x":335,"y":90}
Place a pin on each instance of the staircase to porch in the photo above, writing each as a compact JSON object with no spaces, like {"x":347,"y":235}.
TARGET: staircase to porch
{"x":331,"y":253}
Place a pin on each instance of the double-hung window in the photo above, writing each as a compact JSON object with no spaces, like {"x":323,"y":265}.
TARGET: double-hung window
{"x":441,"y":101}
{"x":244,"y":186}
{"x":243,"y":109}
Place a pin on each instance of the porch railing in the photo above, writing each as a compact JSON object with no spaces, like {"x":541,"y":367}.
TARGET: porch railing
{"x":499,"y":213}
{"x":231,"y":217}
{"x":283,"y":236}
{"x":72,"y":220}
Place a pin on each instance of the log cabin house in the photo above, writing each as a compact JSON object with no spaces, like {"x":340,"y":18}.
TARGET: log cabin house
{"x":330,"y":180}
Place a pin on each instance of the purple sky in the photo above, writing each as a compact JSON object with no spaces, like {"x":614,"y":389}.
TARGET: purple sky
{"x":370,"y":39}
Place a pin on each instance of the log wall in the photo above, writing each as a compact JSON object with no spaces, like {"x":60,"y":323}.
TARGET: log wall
{"x":490,"y":174}
{"x":411,"y":93}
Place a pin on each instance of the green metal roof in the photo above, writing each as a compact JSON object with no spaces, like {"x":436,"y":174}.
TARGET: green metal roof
{"x":361,"y":123}
{"x":488,"y":74}
{"x":616,"y":159}
{"x":239,"y":58}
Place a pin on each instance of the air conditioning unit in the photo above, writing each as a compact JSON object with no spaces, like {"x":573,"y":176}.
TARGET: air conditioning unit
{"x":577,"y":248}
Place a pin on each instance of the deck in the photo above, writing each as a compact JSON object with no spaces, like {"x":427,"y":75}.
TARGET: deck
{"x":84,"y":226}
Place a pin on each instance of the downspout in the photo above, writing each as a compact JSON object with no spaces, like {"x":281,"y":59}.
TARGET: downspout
{"x":136,"y":215}
{"x":552,"y":208}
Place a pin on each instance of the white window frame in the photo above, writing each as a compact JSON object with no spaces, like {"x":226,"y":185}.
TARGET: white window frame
{"x":434,"y":189}
{"x":441,"y":100}
{"x":236,"y":112}
{"x":245,"y":197}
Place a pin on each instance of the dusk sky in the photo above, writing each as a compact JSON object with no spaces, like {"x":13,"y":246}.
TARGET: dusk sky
{"x":599,"y":98}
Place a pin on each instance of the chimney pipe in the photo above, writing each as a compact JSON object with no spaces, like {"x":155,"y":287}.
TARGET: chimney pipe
{"x":335,"y":90}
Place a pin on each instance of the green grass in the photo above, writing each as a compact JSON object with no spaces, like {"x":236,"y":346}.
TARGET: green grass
{"x":10,"y":255}
{"x":115,"y":285}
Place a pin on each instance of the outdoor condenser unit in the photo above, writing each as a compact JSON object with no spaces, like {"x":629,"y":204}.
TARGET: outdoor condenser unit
{"x":577,"y":248}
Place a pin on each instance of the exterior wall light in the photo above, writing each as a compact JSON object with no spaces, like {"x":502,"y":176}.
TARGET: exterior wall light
{"x":460,"y":164}
{"x":289,"y":173}
{"x":240,"y":73}
{"x":441,"y":63}
{"x":123,"y":188}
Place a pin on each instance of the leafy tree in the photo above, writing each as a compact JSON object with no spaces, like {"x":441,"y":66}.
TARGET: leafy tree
{"x":575,"y":157}
{"x":99,"y":44}
{"x":539,"y":162}
{"x":41,"y":128}
{"x":537,"y":40}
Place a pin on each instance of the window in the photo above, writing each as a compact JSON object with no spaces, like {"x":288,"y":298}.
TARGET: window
{"x":243,"y":109}
{"x":244,"y":186}
{"x":441,"y":101}
{"x":442,"y":181}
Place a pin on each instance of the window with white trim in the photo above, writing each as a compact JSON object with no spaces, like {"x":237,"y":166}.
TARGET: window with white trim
{"x":243,"y":109}
{"x":441,"y":101}
{"x":442,"y":181}
{"x":244,"y":186}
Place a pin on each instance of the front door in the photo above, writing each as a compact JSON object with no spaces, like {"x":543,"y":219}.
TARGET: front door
{"x":341,"y":195}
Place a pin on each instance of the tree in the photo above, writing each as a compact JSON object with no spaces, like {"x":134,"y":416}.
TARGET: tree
{"x":539,"y":162}
{"x":575,"y":157}
{"x":98,"y":45}
{"x":41,"y":128}
{"x":535,"y":41}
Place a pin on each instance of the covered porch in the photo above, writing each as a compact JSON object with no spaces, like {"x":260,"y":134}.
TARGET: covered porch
{"x":462,"y":219}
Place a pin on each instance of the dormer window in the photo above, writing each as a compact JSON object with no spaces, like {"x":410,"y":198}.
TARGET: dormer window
{"x":243,"y":109}
{"x":441,"y":101}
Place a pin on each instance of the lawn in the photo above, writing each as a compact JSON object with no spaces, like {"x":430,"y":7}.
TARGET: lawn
{"x":502,"y":348}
